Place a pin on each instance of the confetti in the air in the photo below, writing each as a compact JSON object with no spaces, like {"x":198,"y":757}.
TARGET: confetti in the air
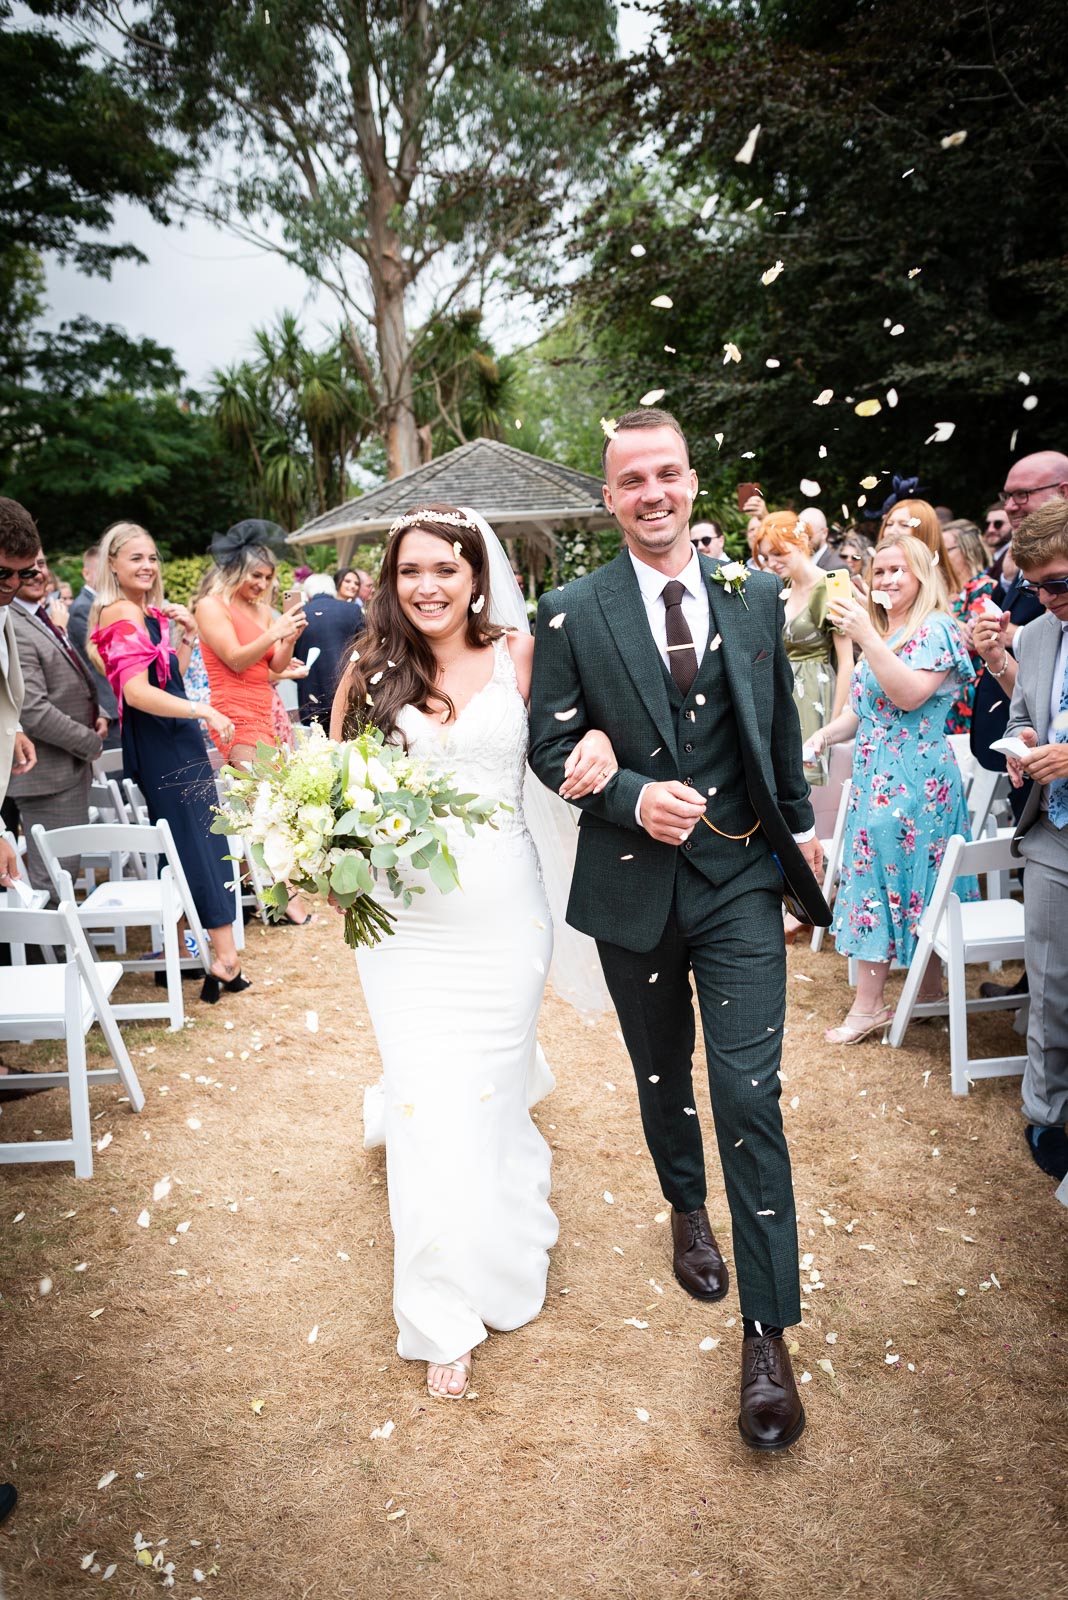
{"x":942,"y":432}
{"x":773,"y":362}
{"x":748,"y":150}
{"x":731,"y":352}
{"x":565,"y":716}
{"x":653,"y":396}
{"x":772,"y":273}
{"x":953,"y":140}
{"x":709,"y":206}
{"x":637,"y":250}
{"x":1031,"y":402}
{"x":558,"y":620}
{"x":608,"y":427}
{"x":868,"y":408}
{"x":663,"y":302}
{"x":824,"y":397}
{"x":477,"y":605}
{"x":810,"y":487}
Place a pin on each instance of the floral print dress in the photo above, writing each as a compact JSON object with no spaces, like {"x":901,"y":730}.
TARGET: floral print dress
{"x":907,"y":800}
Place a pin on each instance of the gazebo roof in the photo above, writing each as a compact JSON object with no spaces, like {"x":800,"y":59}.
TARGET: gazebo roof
{"x":517,"y":493}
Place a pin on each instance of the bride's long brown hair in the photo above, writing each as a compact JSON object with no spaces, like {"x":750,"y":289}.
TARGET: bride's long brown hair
{"x":391,"y":650}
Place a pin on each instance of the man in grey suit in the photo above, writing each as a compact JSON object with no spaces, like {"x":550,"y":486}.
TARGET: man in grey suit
{"x":61,"y":715}
{"x":18,"y":547}
{"x":680,"y":867}
{"x":1039,"y":717}
{"x":77,"y":633}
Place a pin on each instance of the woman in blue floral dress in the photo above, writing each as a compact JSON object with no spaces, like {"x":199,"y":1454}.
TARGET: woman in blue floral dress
{"x":907,"y":797}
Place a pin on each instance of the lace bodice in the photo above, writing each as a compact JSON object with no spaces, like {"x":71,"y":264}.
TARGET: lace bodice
{"x":486,"y":747}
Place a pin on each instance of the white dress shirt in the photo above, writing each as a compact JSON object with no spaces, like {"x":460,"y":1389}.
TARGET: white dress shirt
{"x":695,"y":610}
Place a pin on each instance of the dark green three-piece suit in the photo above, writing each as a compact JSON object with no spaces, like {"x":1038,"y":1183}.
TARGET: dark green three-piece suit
{"x":712,"y":905}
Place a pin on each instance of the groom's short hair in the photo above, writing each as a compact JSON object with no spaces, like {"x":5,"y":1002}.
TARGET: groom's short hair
{"x":646,"y":417}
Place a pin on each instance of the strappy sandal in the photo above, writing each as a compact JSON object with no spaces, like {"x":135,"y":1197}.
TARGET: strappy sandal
{"x":449,"y":1366}
{"x":873,"y":1022}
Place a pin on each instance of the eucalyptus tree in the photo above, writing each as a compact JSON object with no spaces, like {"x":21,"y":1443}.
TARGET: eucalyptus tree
{"x":408,"y":155}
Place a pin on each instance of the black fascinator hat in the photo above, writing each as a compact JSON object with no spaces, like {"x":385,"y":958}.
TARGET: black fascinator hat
{"x":900,"y":489}
{"x":254,"y":532}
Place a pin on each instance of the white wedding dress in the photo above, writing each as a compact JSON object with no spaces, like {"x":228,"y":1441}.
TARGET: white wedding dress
{"x":454,"y":997}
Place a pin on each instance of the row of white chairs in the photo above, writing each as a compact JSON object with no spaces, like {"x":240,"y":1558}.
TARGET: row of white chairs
{"x":142,"y":884}
{"x":959,"y":933}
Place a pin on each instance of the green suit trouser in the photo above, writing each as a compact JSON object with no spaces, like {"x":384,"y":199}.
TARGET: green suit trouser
{"x":730,"y":937}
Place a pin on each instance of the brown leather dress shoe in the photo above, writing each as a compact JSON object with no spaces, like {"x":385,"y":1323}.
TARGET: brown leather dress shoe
{"x":772,"y":1415}
{"x":697,"y":1262}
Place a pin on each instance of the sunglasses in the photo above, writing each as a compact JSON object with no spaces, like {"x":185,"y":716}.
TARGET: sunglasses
{"x":704,"y":540}
{"x":23,"y":574}
{"x":1056,"y":587}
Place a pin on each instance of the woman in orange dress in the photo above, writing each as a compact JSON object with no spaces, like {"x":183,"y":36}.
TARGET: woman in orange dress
{"x":244,"y":645}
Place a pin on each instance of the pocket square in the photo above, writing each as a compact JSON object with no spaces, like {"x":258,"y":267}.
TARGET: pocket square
{"x":763,"y":656}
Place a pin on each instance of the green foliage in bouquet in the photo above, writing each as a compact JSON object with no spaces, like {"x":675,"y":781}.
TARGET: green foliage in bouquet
{"x":331,"y":819}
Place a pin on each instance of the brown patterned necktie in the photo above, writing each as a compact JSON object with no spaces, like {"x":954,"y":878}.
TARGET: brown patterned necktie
{"x":682,"y":657}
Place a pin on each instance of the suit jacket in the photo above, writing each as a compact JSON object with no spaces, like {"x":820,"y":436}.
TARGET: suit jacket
{"x":57,"y":709}
{"x":1036,"y":648}
{"x":828,"y":559}
{"x":11,"y":696}
{"x":77,"y":633}
{"x":332,"y":625}
{"x":602,"y":664}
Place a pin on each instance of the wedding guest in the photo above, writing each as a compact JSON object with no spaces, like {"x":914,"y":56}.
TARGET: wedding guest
{"x":333,"y":625}
{"x":367,"y":587}
{"x":78,"y":631}
{"x":61,"y":716}
{"x":907,"y":798}
{"x":856,"y":550}
{"x":823,"y":552}
{"x":973,"y":590}
{"x":129,"y":635}
{"x":1014,"y":605}
{"x":707,"y":537}
{"x":1039,"y":717}
{"x":243,"y":644}
{"x":918,"y":519}
{"x":347,"y":584}
{"x":820,"y":656}
{"x":240,"y":640}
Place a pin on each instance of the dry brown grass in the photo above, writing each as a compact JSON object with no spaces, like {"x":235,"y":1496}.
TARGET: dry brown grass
{"x":939,"y":1482}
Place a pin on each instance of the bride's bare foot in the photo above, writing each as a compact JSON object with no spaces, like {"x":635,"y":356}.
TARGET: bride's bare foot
{"x":448,"y":1380}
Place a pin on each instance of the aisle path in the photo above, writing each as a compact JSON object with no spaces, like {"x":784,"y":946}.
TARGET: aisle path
{"x":599,"y":1454}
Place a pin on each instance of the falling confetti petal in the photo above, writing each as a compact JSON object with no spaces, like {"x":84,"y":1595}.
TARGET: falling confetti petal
{"x":637,"y":249}
{"x":653,"y":977}
{"x":952,"y":140}
{"x":663,"y":302}
{"x":652,"y":398}
{"x":748,"y":150}
{"x":565,"y":716}
{"x":810,"y":487}
{"x":897,"y":330}
{"x":942,"y":432}
{"x":868,"y":408}
{"x":731,"y":352}
{"x":608,"y":427}
{"x":558,"y":620}
{"x":477,"y":605}
{"x":773,"y":362}
{"x":654,"y":1077}
{"x":891,"y":398}
{"x":715,"y":643}
{"x":772,"y":273}
{"x":824,"y":397}
{"x":765,"y":1213}
{"x":870,"y":482}
{"x":755,"y":205}
{"x":709,"y":206}
{"x":1031,"y":402}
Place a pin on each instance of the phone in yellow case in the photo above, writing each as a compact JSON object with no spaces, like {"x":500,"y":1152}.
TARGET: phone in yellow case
{"x":839,"y":585}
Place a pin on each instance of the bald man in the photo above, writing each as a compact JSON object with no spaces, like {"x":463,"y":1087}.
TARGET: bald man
{"x":823,"y":555}
{"x":1032,"y":481}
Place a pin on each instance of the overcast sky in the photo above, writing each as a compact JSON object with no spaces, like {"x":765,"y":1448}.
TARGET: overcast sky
{"x":202,"y":291}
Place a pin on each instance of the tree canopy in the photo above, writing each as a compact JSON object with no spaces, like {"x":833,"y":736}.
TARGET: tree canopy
{"x":404,"y":155}
{"x":908,"y":174}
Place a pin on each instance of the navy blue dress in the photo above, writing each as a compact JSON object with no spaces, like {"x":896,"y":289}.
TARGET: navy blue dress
{"x":166,"y":757}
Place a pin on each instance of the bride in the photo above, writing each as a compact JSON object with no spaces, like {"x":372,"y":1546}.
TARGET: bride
{"x":454,"y":994}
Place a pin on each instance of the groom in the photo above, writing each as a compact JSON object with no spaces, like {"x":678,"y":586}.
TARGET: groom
{"x":680,"y":869}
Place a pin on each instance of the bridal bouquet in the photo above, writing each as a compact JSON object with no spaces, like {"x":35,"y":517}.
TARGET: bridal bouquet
{"x":328,"y":818}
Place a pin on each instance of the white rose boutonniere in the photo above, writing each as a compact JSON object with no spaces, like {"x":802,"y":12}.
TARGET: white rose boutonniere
{"x":731,"y":576}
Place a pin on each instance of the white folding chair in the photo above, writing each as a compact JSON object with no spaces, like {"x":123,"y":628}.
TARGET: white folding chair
{"x":153,"y":902}
{"x":963,"y":934}
{"x":832,"y":857}
{"x":28,"y":899}
{"x":61,"y":1002}
{"x":108,"y":764}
